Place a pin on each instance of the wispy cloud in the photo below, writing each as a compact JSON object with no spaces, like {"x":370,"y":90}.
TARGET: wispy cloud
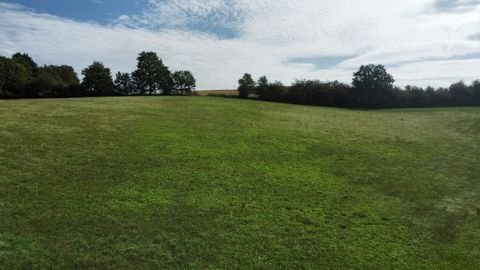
{"x":419,"y":46}
{"x":475,"y":36}
{"x":12,"y":6}
{"x":194,"y":15}
{"x":455,"y":5}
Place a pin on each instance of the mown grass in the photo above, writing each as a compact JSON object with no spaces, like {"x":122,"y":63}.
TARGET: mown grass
{"x":199,"y":182}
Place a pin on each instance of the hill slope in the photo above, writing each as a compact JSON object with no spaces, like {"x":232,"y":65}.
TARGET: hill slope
{"x":203,"y":182}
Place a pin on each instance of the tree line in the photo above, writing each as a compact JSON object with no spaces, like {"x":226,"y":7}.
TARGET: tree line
{"x":372,"y":87}
{"x":21,"y":77}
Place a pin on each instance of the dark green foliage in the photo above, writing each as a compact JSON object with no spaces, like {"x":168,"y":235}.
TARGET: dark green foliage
{"x":183,"y":82}
{"x":24,"y":79}
{"x":476,"y":91}
{"x":152,"y":76}
{"x":262,"y":85}
{"x":124,"y":84}
{"x":3,"y":75}
{"x":372,"y":88}
{"x":373,"y":85}
{"x":274,"y":92}
{"x":20,"y":77}
{"x":306,"y":92}
{"x":319,"y":93}
{"x":45,"y":84}
{"x":97,"y":80}
{"x":65,"y":74}
{"x":442,"y":97}
{"x":461,"y":94}
{"x":54,"y":81}
{"x":417,"y":96}
{"x":13,"y":78}
{"x":246,"y":86}
{"x":336,"y":94}
{"x":25,"y":60}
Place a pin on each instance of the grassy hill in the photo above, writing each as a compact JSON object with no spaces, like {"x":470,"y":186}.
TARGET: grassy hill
{"x":202,"y":182}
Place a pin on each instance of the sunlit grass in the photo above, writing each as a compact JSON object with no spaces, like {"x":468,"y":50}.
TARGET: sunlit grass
{"x":201,"y":182}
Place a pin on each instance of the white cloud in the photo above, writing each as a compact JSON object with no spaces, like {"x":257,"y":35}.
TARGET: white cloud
{"x":177,"y":13}
{"x":419,"y":42}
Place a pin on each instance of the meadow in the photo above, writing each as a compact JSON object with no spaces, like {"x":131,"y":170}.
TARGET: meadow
{"x":223,"y":183}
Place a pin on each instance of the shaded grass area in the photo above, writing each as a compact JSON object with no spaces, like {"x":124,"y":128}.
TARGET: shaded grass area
{"x":198,"y":182}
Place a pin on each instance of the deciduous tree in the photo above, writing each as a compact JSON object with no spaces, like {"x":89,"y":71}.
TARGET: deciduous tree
{"x":184,"y":82}
{"x":461,"y":94}
{"x":152,"y":75}
{"x":97,"y":80}
{"x":25,"y":60}
{"x":123,"y":84}
{"x":246,"y":85}
{"x":54,"y":81}
{"x":262,"y":85}
{"x":372,"y":84}
{"x":13,"y":78}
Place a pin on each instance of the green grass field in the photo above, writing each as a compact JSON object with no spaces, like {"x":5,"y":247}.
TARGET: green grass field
{"x":204,"y":182}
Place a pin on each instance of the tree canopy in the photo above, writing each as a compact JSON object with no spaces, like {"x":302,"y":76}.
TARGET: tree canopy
{"x":22,"y":77}
{"x":372,"y":87}
{"x":373,"y":83}
{"x":262,"y":85}
{"x":151,"y":75}
{"x":97,"y":80}
{"x":246,"y":85}
{"x":14,"y":75}
{"x":25,"y":60}
{"x":123,"y":84}
{"x":54,"y":81}
{"x":183,"y":82}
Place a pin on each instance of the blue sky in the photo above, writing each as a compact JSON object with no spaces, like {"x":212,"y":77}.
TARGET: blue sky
{"x":102,"y":11}
{"x":109,"y":11}
{"x":422,"y":42}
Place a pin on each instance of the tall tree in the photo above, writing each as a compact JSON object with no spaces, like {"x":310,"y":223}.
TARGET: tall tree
{"x":97,"y":80}
{"x":246,"y":85}
{"x":461,"y":94}
{"x":152,"y":75}
{"x":373,"y":85}
{"x":123,"y":84}
{"x":13,"y":78}
{"x":184,"y":82}
{"x":262,"y":85}
{"x":25,"y":60}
